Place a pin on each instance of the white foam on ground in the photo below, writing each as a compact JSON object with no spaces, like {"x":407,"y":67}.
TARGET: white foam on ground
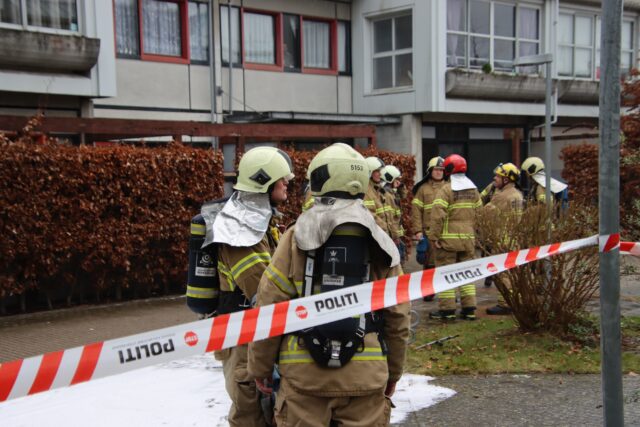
{"x":187,"y":392}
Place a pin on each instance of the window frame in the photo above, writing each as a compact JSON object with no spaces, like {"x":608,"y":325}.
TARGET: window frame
{"x":25,"y":26}
{"x":185,"y":42}
{"x":333,"y":46}
{"x":347,"y":47}
{"x":209,"y":28}
{"x":596,"y":28}
{"x":393,"y":53}
{"x":278,"y":65}
{"x":492,"y":37}
{"x":224,"y":63}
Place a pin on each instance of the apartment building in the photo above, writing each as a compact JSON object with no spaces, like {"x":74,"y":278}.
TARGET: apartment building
{"x":436,"y":76}
{"x":447,"y":68}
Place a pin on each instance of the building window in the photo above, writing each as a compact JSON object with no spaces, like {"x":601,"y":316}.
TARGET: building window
{"x":579,"y":45}
{"x":576,"y":45}
{"x":160,"y":30}
{"x":487,"y":32}
{"x":392,"y":52}
{"x":344,"y":47}
{"x":277,"y":41}
{"x":235,"y":35}
{"x":291,"y":42}
{"x":199,"y":32}
{"x":317,"y":44}
{"x":260,"y":38}
{"x":127,"y":31}
{"x":161,"y":25}
{"x":54,"y":14}
{"x":626,"y":47}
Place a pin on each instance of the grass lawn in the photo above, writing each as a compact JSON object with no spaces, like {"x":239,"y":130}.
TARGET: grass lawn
{"x":491,"y":346}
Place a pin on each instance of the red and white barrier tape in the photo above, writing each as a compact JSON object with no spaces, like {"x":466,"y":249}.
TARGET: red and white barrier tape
{"x":68,"y":367}
{"x":630,"y":248}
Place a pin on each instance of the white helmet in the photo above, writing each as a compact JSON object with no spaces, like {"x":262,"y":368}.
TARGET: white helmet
{"x":338,"y":171}
{"x":390,"y":173}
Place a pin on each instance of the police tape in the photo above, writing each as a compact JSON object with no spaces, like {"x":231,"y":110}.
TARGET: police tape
{"x":80,"y":364}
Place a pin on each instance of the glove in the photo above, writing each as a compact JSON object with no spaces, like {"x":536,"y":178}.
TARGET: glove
{"x":390,"y":389}
{"x":264,"y":385}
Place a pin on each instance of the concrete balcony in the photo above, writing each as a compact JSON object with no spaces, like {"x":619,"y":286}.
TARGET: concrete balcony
{"x":44,"y":52}
{"x":517,"y":88}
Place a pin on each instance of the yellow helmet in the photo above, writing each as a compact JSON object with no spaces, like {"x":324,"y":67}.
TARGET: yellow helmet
{"x":390,"y":173}
{"x":508,"y":170}
{"x":262,"y":166}
{"x":435,"y":162}
{"x":374,"y":163}
{"x":532,"y":165}
{"x":339,"y":171}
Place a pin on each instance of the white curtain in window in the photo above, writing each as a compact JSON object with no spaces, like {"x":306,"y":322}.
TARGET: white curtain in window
{"x":259,"y":32}
{"x":317,"y":44}
{"x":161,"y":22}
{"x":10,"y":11}
{"x":199,"y":31}
{"x":127,"y":34}
{"x":60,"y":14}
{"x":455,"y":13}
{"x":235,"y":33}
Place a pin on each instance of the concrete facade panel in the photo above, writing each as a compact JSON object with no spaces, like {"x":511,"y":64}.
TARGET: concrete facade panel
{"x":150,"y":84}
{"x":273,"y":91}
{"x":200,"y":87}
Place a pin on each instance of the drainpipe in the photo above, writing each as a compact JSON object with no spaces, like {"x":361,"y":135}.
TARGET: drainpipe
{"x":230,"y":58}
{"x":212,"y":75}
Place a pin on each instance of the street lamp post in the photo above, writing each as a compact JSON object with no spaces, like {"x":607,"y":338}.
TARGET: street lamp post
{"x":547,"y":59}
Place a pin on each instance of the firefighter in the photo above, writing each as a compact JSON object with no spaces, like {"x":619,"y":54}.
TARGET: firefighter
{"x":534,"y":168}
{"x":452,"y":229}
{"x":348,"y":378}
{"x":424,"y":193}
{"x":394,"y":192}
{"x":245,"y":249}
{"x":374,"y":200}
{"x":506,"y":199}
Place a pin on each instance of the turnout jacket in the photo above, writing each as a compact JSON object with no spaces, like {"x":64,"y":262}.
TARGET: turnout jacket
{"x":506,"y":199}
{"x":375,"y":201}
{"x":453,"y":218}
{"x":421,"y":205}
{"x":241,"y":268}
{"x":367,"y":372}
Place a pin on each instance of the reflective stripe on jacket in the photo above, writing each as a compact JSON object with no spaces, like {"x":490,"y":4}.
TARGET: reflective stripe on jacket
{"x":453,"y":218}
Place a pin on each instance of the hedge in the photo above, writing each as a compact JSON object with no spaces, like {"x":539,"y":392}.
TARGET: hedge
{"x":111,"y":220}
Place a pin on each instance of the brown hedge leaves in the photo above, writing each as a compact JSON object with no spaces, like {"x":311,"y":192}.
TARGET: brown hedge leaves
{"x":114,"y":217}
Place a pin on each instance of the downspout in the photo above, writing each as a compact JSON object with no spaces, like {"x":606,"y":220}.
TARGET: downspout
{"x":230,"y":58}
{"x":212,"y":75}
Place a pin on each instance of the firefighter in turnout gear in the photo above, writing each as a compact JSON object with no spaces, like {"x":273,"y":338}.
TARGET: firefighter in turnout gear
{"x":343,"y":372}
{"x":424,"y":193}
{"x":506,"y":199}
{"x":374,"y":199}
{"x":247,"y":238}
{"x":452,"y":229}
{"x":534,"y":168}
{"x":394,"y":193}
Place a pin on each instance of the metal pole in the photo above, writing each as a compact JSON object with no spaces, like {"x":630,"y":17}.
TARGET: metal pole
{"x":609,"y":199}
{"x":230,"y":94}
{"x":547,"y":148}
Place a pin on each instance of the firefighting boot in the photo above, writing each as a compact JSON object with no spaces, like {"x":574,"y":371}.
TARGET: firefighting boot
{"x":443,"y":315}
{"x":468,"y":313}
{"x":499,"y":310}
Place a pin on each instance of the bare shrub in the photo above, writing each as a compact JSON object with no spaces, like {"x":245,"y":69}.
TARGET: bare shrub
{"x":546,"y":295}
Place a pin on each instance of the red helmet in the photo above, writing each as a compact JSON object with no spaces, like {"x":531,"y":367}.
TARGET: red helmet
{"x":455,"y":164}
